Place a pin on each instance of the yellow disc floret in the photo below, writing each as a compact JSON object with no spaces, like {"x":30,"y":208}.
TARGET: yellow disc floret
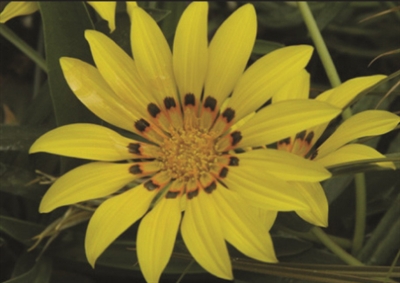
{"x":188,"y":151}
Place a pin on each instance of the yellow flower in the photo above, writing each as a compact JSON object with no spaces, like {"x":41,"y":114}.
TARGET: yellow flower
{"x":106,"y":9}
{"x":187,"y":164}
{"x":336,"y":149}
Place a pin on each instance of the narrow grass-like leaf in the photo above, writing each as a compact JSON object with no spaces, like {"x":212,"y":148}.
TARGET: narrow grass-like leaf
{"x":378,"y":240}
{"x":329,"y":12}
{"x":18,"y":138}
{"x":20,"y":230}
{"x":38,"y":272}
{"x":364,"y":165}
{"x":64,"y":24}
{"x":262,"y":47}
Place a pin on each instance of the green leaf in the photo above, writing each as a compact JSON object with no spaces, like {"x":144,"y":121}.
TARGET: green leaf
{"x":121,"y":256}
{"x":157,"y":14}
{"x":364,"y":165}
{"x":121,"y":34}
{"x":384,"y":240}
{"x":28,"y":270}
{"x":277,"y":15}
{"x":329,"y":12}
{"x":335,"y":186}
{"x":170,"y":22}
{"x":40,"y":111}
{"x":290,"y":246}
{"x":20,"y":230}
{"x":292,"y":221}
{"x":19,"y":138}
{"x":64,"y":24}
{"x":14,"y":180}
{"x":262,"y":47}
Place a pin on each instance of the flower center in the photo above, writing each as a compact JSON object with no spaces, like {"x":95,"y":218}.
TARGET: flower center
{"x":189,"y":151}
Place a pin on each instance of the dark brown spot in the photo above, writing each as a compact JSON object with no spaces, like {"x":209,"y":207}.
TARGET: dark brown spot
{"x":236,"y":137}
{"x":309,"y":137}
{"x":210,"y":102}
{"x":135,"y":169}
{"x":189,"y":99}
{"x":229,"y":114}
{"x":169,"y":102}
{"x":153,"y":110}
{"x":210,"y":187}
{"x":239,"y":150}
{"x":172,"y":194}
{"x":233,"y":161}
{"x":286,"y":141}
{"x":301,"y":135}
{"x":141,"y":125}
{"x":150,"y":185}
{"x":224,"y":172}
{"x":134,"y":148}
{"x":314,"y":154}
{"x":193,"y":193}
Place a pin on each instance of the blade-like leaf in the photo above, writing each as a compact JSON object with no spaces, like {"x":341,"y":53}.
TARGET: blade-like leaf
{"x":20,"y":230}
{"x":32,"y":271}
{"x":64,"y":24}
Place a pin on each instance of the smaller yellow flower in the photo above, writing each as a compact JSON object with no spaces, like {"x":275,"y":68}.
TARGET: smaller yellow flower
{"x":336,"y":149}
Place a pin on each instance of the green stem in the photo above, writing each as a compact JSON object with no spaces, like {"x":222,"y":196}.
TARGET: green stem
{"x":361,"y":213}
{"x":319,"y":44}
{"x":23,"y":46}
{"x":334,"y":79}
{"x":336,"y":249}
{"x":341,"y":242}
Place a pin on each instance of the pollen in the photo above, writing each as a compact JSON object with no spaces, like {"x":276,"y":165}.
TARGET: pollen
{"x":189,"y":151}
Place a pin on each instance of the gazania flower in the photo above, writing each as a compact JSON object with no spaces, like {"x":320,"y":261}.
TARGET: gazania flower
{"x":336,"y":149}
{"x":106,"y":9}
{"x":173,"y":102}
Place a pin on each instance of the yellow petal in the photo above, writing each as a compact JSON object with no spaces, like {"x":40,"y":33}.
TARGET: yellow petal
{"x":242,"y":227}
{"x":16,"y":9}
{"x":130,"y":5}
{"x":152,"y":56}
{"x":263,"y":190}
{"x":120,"y":72}
{"x":344,"y":94}
{"x":106,"y":10}
{"x":113,"y":217}
{"x":267,"y":217}
{"x":89,"y":181}
{"x":283,"y":165}
{"x":283,"y":119}
{"x":190,"y":50}
{"x":202,"y":233}
{"x":156,"y":238}
{"x":229,"y":52}
{"x":91,"y":89}
{"x":363,"y":124}
{"x":296,"y":88}
{"x":316,"y":198}
{"x":350,"y":153}
{"x":266,"y":76}
{"x":86,"y":141}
